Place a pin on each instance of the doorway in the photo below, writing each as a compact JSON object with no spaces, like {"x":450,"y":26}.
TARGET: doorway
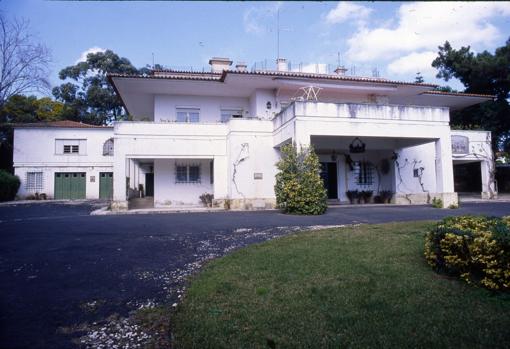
{"x":329,"y":177}
{"x":149,"y":184}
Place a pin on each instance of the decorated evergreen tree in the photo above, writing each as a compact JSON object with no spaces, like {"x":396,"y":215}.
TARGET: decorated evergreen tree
{"x":299,"y":188}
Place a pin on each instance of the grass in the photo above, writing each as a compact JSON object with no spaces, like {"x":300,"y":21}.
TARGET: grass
{"x":358,"y":287}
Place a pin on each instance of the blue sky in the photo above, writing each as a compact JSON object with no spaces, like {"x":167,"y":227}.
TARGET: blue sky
{"x":398,"y":39}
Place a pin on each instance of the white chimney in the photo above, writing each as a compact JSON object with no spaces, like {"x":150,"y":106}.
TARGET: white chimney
{"x":281,"y":64}
{"x":219,"y":64}
{"x":241,"y":66}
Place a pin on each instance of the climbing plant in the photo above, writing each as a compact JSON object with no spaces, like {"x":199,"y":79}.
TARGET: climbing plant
{"x":299,"y":188}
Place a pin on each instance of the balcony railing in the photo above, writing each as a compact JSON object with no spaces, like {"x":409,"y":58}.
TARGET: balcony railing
{"x":361,"y":111}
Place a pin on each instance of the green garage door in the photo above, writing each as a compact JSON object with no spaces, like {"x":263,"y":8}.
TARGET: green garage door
{"x":106,"y":185}
{"x":70,"y":185}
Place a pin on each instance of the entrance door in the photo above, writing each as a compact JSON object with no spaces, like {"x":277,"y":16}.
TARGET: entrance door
{"x":149,"y":184}
{"x":467,"y":177}
{"x":106,"y":185}
{"x":330,"y":179}
{"x":70,"y":185}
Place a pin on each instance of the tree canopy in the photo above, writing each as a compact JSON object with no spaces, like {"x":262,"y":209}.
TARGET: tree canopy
{"x":86,"y":93}
{"x":484,"y":73}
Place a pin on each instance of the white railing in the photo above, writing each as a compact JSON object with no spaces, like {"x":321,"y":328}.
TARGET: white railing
{"x":361,"y":111}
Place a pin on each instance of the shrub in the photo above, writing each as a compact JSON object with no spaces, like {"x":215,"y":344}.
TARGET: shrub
{"x":437,"y":203}
{"x":477,"y":249}
{"x":207,"y":199}
{"x":9,"y":185}
{"x":299,"y":188}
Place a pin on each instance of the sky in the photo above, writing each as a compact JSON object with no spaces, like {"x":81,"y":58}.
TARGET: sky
{"x":398,"y":39}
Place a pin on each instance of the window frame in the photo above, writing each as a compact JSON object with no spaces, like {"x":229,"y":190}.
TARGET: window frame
{"x":185,"y":178}
{"x":109,"y":147}
{"x":35,"y":184}
{"x":188,"y":111}
{"x":231,"y":112}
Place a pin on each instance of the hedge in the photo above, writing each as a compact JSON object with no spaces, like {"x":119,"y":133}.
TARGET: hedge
{"x":9,"y":185}
{"x":474,"y":248}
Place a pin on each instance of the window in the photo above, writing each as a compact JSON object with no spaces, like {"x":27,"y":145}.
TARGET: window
{"x":71,"y":149}
{"x":182,"y":174}
{"x":70,"y":146}
{"x":34,"y":181}
{"x":188,"y":115}
{"x":187,"y":174}
{"x":227,"y":114}
{"x":108,"y":147}
{"x":364,"y":173}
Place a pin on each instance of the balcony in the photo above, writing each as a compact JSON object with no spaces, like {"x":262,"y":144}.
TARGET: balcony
{"x":151,"y":128}
{"x":359,"y":111}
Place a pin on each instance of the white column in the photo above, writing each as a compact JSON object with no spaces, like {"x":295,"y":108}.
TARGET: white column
{"x":119,"y":183}
{"x":444,"y":171}
{"x":487,"y":184}
{"x":221,"y":179}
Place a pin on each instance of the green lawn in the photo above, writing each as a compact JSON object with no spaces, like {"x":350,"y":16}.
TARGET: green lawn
{"x":356,"y":287}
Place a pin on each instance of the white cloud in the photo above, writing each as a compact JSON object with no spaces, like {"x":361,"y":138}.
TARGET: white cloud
{"x":257,"y":20}
{"x":83,"y":56}
{"x":347,"y":11}
{"x":414,"y":63}
{"x":426,"y":25}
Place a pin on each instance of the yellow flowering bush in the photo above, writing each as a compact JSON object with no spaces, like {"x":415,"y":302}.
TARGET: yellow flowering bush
{"x":475,"y":248}
{"x":299,"y":188}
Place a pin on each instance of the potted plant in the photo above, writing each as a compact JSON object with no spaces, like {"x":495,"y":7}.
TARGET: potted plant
{"x":365,"y":195}
{"x":352,"y":195}
{"x":386,"y":196}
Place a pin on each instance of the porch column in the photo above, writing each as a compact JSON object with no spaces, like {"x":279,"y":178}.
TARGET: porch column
{"x":221,"y":180}
{"x":119,"y":183}
{"x":488,"y":188}
{"x":444,"y":171}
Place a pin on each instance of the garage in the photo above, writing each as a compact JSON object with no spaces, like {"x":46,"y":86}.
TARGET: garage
{"x":70,"y":185}
{"x":106,"y":185}
{"x":467,"y":177}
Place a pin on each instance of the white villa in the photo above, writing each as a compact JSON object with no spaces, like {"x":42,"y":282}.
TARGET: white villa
{"x":220,"y":132}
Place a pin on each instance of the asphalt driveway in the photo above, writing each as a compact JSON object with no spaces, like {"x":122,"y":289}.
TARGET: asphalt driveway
{"x":63,"y":271}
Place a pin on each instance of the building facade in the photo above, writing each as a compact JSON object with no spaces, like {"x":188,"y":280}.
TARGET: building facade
{"x":219,"y":132}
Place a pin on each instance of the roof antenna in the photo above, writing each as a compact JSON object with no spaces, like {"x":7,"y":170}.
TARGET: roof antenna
{"x":278,"y":33}
{"x":152,"y":60}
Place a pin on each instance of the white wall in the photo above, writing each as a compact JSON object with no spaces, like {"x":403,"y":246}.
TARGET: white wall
{"x":169,"y":193}
{"x":260,"y":158}
{"x":165,"y":106}
{"x":34,"y":151}
{"x":422,"y":156}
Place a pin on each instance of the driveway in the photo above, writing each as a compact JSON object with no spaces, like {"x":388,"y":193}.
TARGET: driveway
{"x":68,"y":277}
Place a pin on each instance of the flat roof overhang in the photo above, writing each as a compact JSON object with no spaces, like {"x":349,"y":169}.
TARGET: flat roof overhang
{"x":137,"y":92}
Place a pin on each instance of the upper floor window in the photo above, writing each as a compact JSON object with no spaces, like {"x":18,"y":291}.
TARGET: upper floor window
{"x":188,"y":115}
{"x":70,"y":146}
{"x":108,"y":147}
{"x":34,"y":181}
{"x":227,"y":114}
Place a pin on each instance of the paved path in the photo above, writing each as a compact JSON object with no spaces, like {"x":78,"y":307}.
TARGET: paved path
{"x":62,"y":270}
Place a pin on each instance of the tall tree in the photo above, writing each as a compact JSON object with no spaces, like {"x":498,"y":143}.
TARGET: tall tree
{"x":86,"y":94}
{"x":23,"y":62}
{"x":484,"y":73}
{"x":419,"y":78}
{"x":23,"y":109}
